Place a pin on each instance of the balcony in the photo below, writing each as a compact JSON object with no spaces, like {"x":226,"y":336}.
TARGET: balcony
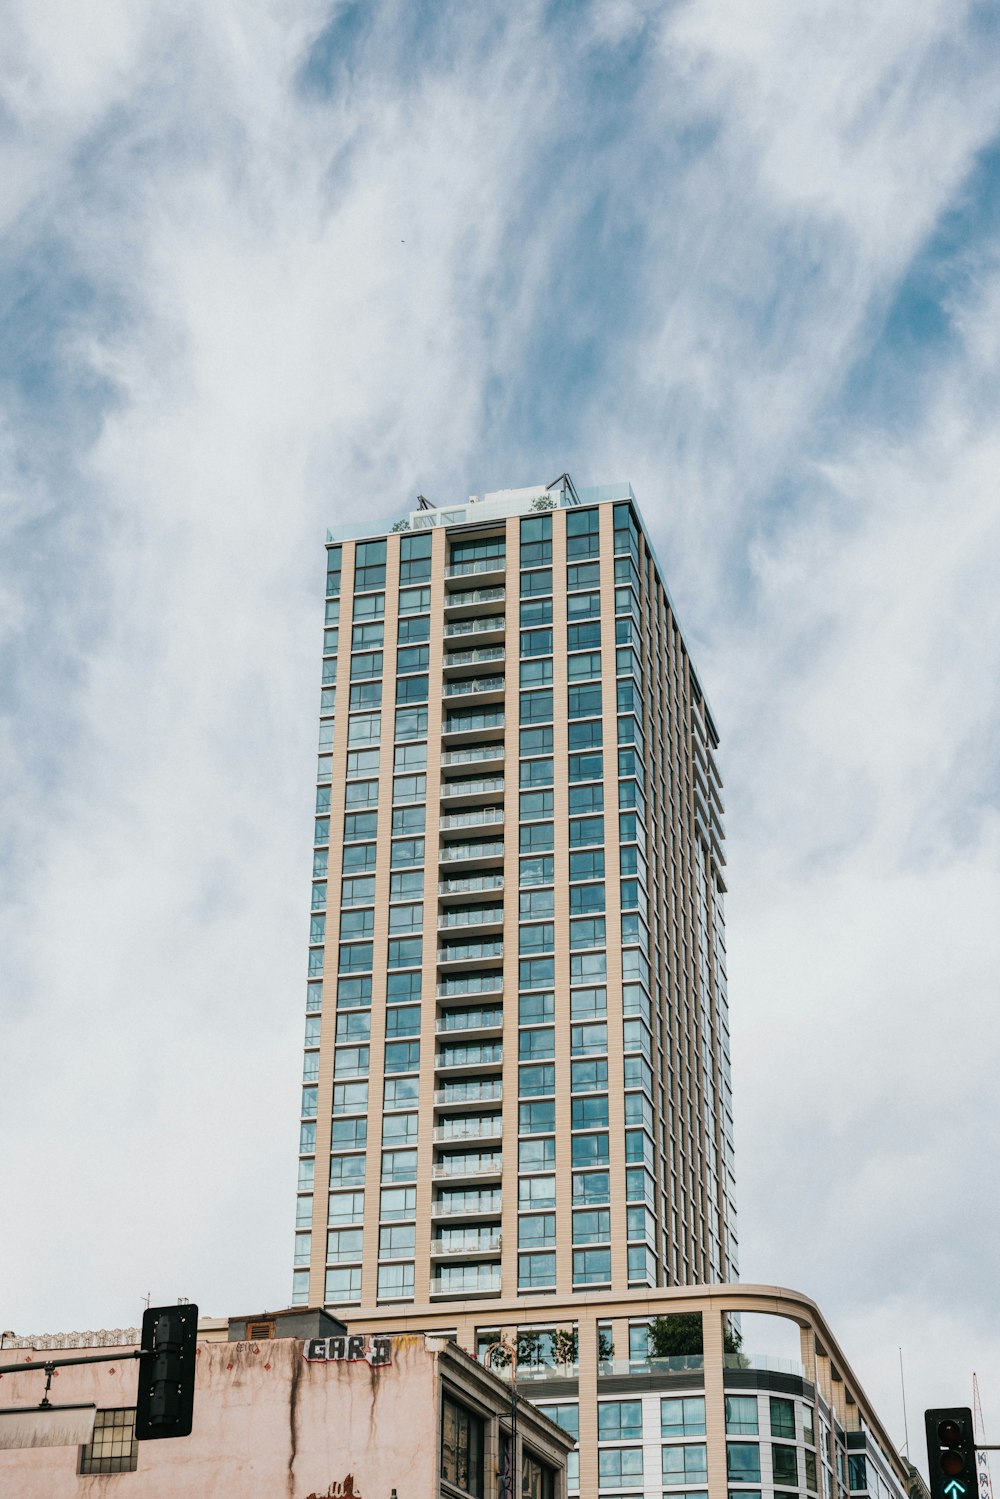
{"x":469,"y":1129}
{"x":470,"y":727}
{"x":486,"y":689}
{"x":470,"y":983}
{"x":471,"y":787}
{"x":471,"y":952}
{"x":457,"y":1094}
{"x":472,"y":853}
{"x":481,"y":567}
{"x":472,"y":1058}
{"x":468,"y":1164}
{"x":478,"y":655}
{"x":468,"y":1205}
{"x":475,"y":754}
{"x":454,"y":1022}
{"x":476,"y":1241}
{"x":465,"y":602}
{"x":488,"y":625}
{"x":476,"y":1281}
{"x":475,"y":817}
{"x":469,"y":884}
{"x":478,"y":916}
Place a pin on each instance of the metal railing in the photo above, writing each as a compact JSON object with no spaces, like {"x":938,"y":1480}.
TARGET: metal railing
{"x":480,"y":626}
{"x":474,"y":596}
{"x":470,"y":952}
{"x":457,"y":851}
{"x":478,"y":565}
{"x":469,"y":1056}
{"x":472,"y":787}
{"x":471,"y":983}
{"x":469,"y":883}
{"x":472,"y":723}
{"x":474,"y":753}
{"x":477,"y":817}
{"x":456,"y":1093}
{"x":480,"y":1241}
{"x":467,"y":1204}
{"x":485,"y":1280}
{"x":465,"y":686}
{"x":468,"y":1020}
{"x":481,"y":916}
{"x":446,"y":1170}
{"x":472,"y":1129}
{"x":469,"y":658}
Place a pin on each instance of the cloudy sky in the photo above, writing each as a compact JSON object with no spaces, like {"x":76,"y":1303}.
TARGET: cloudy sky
{"x":270,"y":266}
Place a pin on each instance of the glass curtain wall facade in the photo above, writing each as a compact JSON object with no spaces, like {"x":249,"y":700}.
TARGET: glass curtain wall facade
{"x":516,"y":1071}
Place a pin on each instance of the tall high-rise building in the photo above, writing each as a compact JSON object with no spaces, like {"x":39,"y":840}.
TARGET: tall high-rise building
{"x":516,"y":1078}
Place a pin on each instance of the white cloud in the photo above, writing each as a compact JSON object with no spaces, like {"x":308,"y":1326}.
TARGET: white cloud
{"x":307,"y":307}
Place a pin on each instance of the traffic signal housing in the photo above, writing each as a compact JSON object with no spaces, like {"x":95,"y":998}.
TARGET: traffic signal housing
{"x":165,"y":1397}
{"x":951,"y":1453}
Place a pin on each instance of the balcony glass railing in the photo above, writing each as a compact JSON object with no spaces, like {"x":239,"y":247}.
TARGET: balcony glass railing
{"x":471,"y":983}
{"x":471,"y":1278}
{"x":476,"y":752}
{"x":677,"y":1363}
{"x":469,"y":1020}
{"x":480,"y":565}
{"x":468,"y":884}
{"x":481,"y":916}
{"x":470,"y":658}
{"x":490,"y":1128}
{"x":466,"y":685}
{"x":470,"y":952}
{"x":469,"y":1163}
{"x":456,"y":1093}
{"x":477,"y":817}
{"x":472,"y":787}
{"x":455,"y":852}
{"x":474,"y":596}
{"x":471,"y":723}
{"x":456,"y":1203}
{"x":477,"y":1241}
{"x":488,"y":1054}
{"x":480,"y":626}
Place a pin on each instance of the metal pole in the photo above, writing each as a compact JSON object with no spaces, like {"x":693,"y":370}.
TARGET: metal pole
{"x":41,"y":1366}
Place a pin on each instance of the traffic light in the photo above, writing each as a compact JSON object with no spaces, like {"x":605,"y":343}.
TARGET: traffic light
{"x":165,"y":1398}
{"x":951,"y":1453}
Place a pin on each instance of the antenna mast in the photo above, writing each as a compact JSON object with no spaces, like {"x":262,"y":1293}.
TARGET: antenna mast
{"x":983,"y":1477}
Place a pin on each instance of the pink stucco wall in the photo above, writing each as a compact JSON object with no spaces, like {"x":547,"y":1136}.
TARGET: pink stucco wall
{"x":267,"y":1423}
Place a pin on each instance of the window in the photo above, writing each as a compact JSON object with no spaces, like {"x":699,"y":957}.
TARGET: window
{"x":585,"y":830}
{"x":589,"y":1077}
{"x":536,"y":1231}
{"x":537,"y":1481}
{"x":399,"y":1165}
{"x":685,"y":1465}
{"x":395,"y":1280}
{"x":536,"y":642}
{"x":372,"y":607}
{"x":785,"y":1465}
{"x":590,"y":1112}
{"x":346,"y":1207}
{"x":403,"y":1020}
{"x":343,"y":1285}
{"x":413,"y":629}
{"x":588,"y":1004}
{"x":743,"y":1462}
{"x":344,"y":1244}
{"x":414,"y":600}
{"x":583,"y":575}
{"x":113,"y":1447}
{"x":415,"y":559}
{"x":402,"y":1056}
{"x":536,"y":540}
{"x":401,"y":1092}
{"x":585,"y":664}
{"x":594,"y":1186}
{"x":585,"y":898}
{"x":533,"y":584}
{"x":590,"y":1150}
{"x":398,"y":1202}
{"x":536,"y":1155}
{"x":619,"y":1465}
{"x":619,"y":1421}
{"x":536,"y":707}
{"x":537,"y":903}
{"x":535,"y":1270}
{"x":535,"y":741}
{"x":410,"y":690}
{"x":462,"y":1443}
{"x":588,"y":931}
{"x":584,"y":736}
{"x":537,"y":871}
{"x":537,"y":1118}
{"x":537,"y":1192}
{"x":783,"y":1418}
{"x":536,"y":673}
{"x":533,"y":1081}
{"x":586,"y":799}
{"x":585,"y":1040}
{"x":412,"y":658}
{"x":369,"y":566}
{"x":592,"y":1227}
{"x":583,"y":538}
{"x":741,"y":1415}
{"x":683,"y":1417}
